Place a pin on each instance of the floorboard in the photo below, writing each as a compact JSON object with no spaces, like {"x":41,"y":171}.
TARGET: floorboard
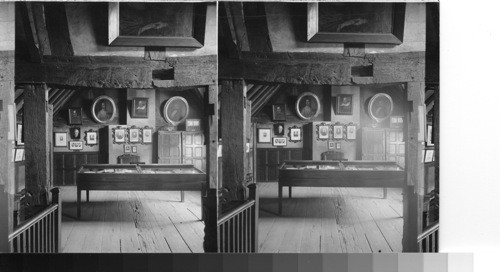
{"x":132,"y":222}
{"x":330,"y":220}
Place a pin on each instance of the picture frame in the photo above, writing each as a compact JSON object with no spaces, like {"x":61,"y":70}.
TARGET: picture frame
{"x":19,"y":135}
{"x":119,"y":135}
{"x":331,"y":145}
{"x":75,"y":145}
{"x":323,"y":131}
{"x":75,"y":133}
{"x":140,"y":107}
{"x":279,"y":129}
{"x":350,"y":130}
{"x":279,"y":141}
{"x":338,"y":145}
{"x":193,"y":124}
{"x":338,"y":131}
{"x":91,"y":137}
{"x":396,"y":122}
{"x":19,"y":155}
{"x":279,"y":112}
{"x":75,"y":116}
{"x":176,"y":110}
{"x":429,"y":136}
{"x":307,"y":106}
{"x":103,"y":109}
{"x":129,"y":25}
{"x":264,"y":135}
{"x":344,"y":104}
{"x":134,"y":135}
{"x":380,"y":107}
{"x":60,"y":139}
{"x":380,"y":23}
{"x":127,"y":149}
{"x":134,"y":149}
{"x":147,"y":135}
{"x":295,"y":134}
{"x":429,"y":155}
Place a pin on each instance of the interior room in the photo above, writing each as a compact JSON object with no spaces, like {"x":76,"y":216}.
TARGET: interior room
{"x":334,"y":133}
{"x":114,"y":124}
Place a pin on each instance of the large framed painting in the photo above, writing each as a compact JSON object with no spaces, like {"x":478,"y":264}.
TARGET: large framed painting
{"x":344,"y":104}
{"x":176,"y":110}
{"x":103,"y":109}
{"x":157,"y":24}
{"x":140,"y":107}
{"x":356,"y":22}
{"x":380,"y":107}
{"x":307,"y":106}
{"x":75,"y":116}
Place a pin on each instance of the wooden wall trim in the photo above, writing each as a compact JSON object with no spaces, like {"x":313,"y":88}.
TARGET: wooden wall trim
{"x":323,"y":68}
{"x":117,"y":72}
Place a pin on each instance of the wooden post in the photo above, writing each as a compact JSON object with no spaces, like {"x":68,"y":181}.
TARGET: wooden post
{"x":210,"y":200}
{"x":255,"y":217}
{"x":233,"y":104}
{"x":56,"y":199}
{"x":37,"y":127}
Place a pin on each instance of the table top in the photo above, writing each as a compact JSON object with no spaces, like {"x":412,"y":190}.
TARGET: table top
{"x":139,"y":169}
{"x":342,"y":165}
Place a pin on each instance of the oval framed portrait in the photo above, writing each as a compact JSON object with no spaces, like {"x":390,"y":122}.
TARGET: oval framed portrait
{"x":307,"y":106}
{"x":380,"y":107}
{"x":103,"y":109}
{"x":176,"y":110}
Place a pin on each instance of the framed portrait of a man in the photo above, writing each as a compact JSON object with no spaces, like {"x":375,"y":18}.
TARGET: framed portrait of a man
{"x":344,"y":104}
{"x":91,"y":137}
{"x":307,"y":106}
{"x":133,"y":134}
{"x":75,"y":116}
{"x":139,"y":107}
{"x":75,"y":133}
{"x":279,"y":129}
{"x":147,"y":135}
{"x":295,"y":134}
{"x":119,"y":135}
{"x":103,"y":109}
{"x":338,"y":131}
{"x":176,"y":110}
{"x":60,"y":139}
{"x":279,"y":112}
{"x":323,"y":131}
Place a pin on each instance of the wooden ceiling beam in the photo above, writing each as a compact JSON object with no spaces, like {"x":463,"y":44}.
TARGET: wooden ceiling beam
{"x":235,"y":18}
{"x":38,"y":20}
{"x":26,"y":24}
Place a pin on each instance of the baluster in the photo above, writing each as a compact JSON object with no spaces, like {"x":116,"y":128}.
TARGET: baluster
{"x":244,"y":230}
{"x":238,"y":226}
{"x":224,"y":237}
{"x":437,"y":241}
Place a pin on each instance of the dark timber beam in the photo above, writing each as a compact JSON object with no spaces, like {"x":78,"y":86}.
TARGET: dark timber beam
{"x":118,"y":72}
{"x":37,"y":11}
{"x":38,"y":142}
{"x":323,"y":68}
{"x":256,"y":27}
{"x":57,"y":28}
{"x":235,"y":18}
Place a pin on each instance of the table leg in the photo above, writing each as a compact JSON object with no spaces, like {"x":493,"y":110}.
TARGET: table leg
{"x":182,"y":196}
{"x":289,"y":191}
{"x":385,"y":193}
{"x":78,"y":203}
{"x":87,"y":196}
{"x":280,"y":196}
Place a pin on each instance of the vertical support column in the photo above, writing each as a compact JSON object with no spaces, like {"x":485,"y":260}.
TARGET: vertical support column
{"x":255,"y":218}
{"x":233,"y":104}
{"x":413,"y":192}
{"x":56,"y":199}
{"x":37,"y":137}
{"x":210,"y":200}
{"x":7,"y":122}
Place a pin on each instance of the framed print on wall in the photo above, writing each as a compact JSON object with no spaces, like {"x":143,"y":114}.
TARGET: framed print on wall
{"x":264,"y":135}
{"x":351,"y":131}
{"x":157,"y":24}
{"x":307,"y":106}
{"x":19,"y":135}
{"x":103,"y":109}
{"x":127,"y":149}
{"x":75,"y":145}
{"x":60,"y":139}
{"x":323,"y":131}
{"x":147,"y":135}
{"x":75,"y":116}
{"x":176,"y":110}
{"x":380,"y":107}
{"x":331,"y":145}
{"x":344,"y":104}
{"x":279,"y":129}
{"x":91,"y":137}
{"x":279,"y":112}
{"x":140,"y":107}
{"x":356,"y":22}
{"x":75,"y":133}
{"x":119,"y":135}
{"x":133,"y":135}
{"x":279,"y":141}
{"x":295,"y":134}
{"x":429,"y":140}
{"x":338,"y":131}
{"x":19,"y":155}
{"x":134,"y":149}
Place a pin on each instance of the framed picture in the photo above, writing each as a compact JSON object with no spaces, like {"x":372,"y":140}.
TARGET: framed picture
{"x":429,"y":155}
{"x":75,"y":145}
{"x":75,"y":133}
{"x":279,"y":112}
{"x":396,"y":122}
{"x":20,"y":135}
{"x":147,"y":135}
{"x":279,"y":141}
{"x":264,"y":135}
{"x":75,"y":116}
{"x":60,"y":139}
{"x":307,"y":106}
{"x":134,"y":149}
{"x":337,"y":145}
{"x":127,"y":148}
{"x":279,"y":129}
{"x":344,"y":104}
{"x":295,"y":134}
{"x":91,"y":137}
{"x":19,"y":155}
{"x":140,"y":107}
{"x":430,"y":138}
{"x":351,"y":132}
{"x":193,"y":124}
{"x":323,"y":131}
{"x":176,"y":110}
{"x":157,"y":24}
{"x":356,"y":22}
{"x":103,"y":109}
{"x":119,"y":135}
{"x":133,"y":135}
{"x":331,"y":145}
{"x":338,"y":131}
{"x":380,"y":107}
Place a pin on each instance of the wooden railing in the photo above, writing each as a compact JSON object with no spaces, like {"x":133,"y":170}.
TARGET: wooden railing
{"x":237,"y":229}
{"x":41,"y":233}
{"x":428,"y":241}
